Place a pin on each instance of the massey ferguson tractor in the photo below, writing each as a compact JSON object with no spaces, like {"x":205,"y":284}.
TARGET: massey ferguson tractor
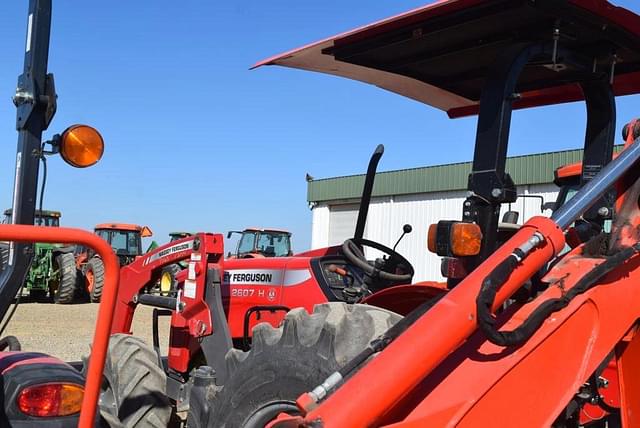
{"x":218,"y":302}
{"x":39,"y":390}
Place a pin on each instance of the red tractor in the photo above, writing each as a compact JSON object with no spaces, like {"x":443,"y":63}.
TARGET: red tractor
{"x":126,"y":242}
{"x":37,"y":389}
{"x":259,"y":243}
{"x":511,"y":339}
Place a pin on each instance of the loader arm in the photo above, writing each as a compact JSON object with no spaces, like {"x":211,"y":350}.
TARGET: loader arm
{"x":139,"y":274}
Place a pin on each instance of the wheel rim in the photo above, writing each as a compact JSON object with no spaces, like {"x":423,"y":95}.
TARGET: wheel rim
{"x":165,"y":282}
{"x":269,"y":412}
{"x":89,"y":279}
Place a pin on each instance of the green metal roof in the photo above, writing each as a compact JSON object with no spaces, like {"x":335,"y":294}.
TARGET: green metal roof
{"x":529,"y":169}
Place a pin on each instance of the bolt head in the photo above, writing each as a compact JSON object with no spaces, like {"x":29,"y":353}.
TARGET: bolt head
{"x":496,"y":193}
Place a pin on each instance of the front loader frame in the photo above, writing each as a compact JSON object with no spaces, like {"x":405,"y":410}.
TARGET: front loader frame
{"x":198,"y":322}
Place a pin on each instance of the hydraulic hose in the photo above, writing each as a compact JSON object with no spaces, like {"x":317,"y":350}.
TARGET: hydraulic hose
{"x":521,"y":334}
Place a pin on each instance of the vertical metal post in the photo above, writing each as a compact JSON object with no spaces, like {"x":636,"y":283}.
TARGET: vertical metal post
{"x":33,"y":115}
{"x":489,"y":184}
{"x":599,"y":140}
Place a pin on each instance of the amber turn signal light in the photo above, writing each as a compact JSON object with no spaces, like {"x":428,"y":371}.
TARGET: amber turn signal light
{"x":432,"y":238}
{"x":466,"y":239}
{"x":454,"y":239}
{"x":81,"y":146}
{"x":50,"y":400}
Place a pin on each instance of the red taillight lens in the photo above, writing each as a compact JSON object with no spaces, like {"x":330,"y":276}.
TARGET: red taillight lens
{"x":50,"y":400}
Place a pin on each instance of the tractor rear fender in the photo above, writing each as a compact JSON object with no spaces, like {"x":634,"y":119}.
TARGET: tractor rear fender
{"x":402,"y":299}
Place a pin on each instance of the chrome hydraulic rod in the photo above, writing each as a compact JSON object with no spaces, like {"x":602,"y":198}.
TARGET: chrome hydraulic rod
{"x":596,"y":188}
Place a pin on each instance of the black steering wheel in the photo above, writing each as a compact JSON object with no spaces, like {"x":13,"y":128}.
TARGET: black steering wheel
{"x":353,"y":252}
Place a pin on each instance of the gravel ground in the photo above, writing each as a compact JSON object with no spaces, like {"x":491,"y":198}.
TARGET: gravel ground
{"x":66,"y":331}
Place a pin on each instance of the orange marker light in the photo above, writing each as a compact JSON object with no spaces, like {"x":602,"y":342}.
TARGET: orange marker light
{"x":454,"y":238}
{"x":81,"y":146}
{"x":432,"y":238}
{"x":466,"y":239}
{"x":51,"y":400}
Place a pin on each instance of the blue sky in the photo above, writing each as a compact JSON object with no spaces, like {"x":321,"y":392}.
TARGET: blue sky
{"x":196,"y":141}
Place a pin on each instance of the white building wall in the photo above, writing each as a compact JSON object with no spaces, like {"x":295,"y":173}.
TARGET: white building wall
{"x":388,"y":215}
{"x":320,"y":226}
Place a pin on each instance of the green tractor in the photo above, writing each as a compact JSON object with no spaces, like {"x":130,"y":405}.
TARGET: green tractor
{"x":53,"y":270}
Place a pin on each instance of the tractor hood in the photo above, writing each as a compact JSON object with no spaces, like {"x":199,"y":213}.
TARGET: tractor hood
{"x":439,"y":54}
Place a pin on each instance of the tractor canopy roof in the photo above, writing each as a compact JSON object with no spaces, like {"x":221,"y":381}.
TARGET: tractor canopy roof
{"x":267,"y":230}
{"x":184,"y":234}
{"x":439,"y":54}
{"x":43,"y":213}
{"x":119,"y":226}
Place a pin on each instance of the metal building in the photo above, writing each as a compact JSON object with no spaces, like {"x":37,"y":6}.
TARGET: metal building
{"x":420,"y":197}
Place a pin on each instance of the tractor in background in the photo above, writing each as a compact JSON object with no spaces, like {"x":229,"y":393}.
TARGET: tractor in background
{"x":259,"y":243}
{"x":52,"y":271}
{"x":126,"y":242}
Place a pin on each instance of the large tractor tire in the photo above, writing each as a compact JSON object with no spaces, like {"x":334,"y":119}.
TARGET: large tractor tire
{"x":94,"y":278}
{"x":134,"y":387}
{"x":168,"y":283}
{"x":287,"y":361}
{"x":68,"y":277}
